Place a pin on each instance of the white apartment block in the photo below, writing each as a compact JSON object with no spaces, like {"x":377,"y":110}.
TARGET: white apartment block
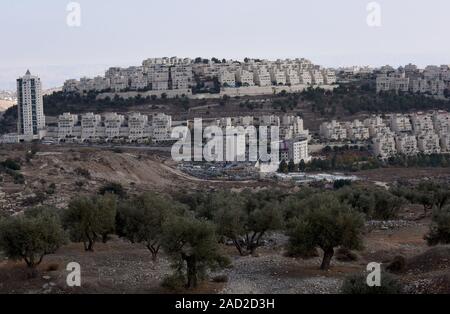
{"x":376,"y":125}
{"x":393,"y":82}
{"x":90,"y":125}
{"x":182,"y":77}
{"x":428,"y":143}
{"x":277,"y":76}
{"x":261,"y":77}
{"x":245,"y":78}
{"x":329,"y":76}
{"x":298,"y":151}
{"x":305,"y":77}
{"x":160,"y":74}
{"x":161,"y":127}
{"x":292,"y":127}
{"x":227,"y":78}
{"x":400,"y":123}
{"x":406,"y":144}
{"x":422,"y":123}
{"x":292,"y":77}
{"x":384,"y":146}
{"x":333,"y":130}
{"x":66,"y":125}
{"x":31,"y":119}
{"x":317,"y":77}
{"x":113,"y":123}
{"x":356,"y":131}
{"x":441,"y":122}
{"x":137,"y":126}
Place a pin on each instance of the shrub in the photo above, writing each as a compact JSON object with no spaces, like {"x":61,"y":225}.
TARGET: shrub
{"x":356,"y":284}
{"x":11,"y":164}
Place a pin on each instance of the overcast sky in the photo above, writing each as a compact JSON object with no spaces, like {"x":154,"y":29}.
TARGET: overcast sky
{"x":34,"y":34}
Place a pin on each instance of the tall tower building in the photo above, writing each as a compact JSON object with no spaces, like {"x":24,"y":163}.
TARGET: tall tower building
{"x":31,"y":119}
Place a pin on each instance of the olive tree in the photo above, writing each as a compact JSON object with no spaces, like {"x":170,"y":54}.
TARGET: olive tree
{"x":141,"y":218}
{"x":31,"y":236}
{"x":89,"y":218}
{"x":193,"y":247}
{"x":326,"y":223}
{"x":245,"y":222}
{"x":439,"y":232}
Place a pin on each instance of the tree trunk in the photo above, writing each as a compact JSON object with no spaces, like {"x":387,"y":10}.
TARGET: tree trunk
{"x":327,"y":255}
{"x":238,"y":247}
{"x":90,"y":246}
{"x":191,"y":272}
{"x":154,"y":249}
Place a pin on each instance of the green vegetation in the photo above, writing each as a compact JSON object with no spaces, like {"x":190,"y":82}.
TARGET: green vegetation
{"x":89,"y":218}
{"x":31,"y":236}
{"x":375,"y":203}
{"x":356,"y":284}
{"x":12,"y":168}
{"x":193,"y":247}
{"x":354,"y":99}
{"x":60,"y":102}
{"x":326,"y":223}
{"x":440,"y":227}
{"x":141,"y":219}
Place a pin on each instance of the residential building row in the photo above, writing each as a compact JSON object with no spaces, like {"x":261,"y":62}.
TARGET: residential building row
{"x":160,"y":74}
{"x":433,"y":80}
{"x":406,"y":134}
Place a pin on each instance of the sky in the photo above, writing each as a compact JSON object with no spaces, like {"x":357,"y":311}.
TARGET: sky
{"x":35,"y":34}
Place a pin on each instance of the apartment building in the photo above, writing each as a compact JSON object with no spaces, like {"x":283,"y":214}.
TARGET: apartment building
{"x":441,"y":122}
{"x":227,"y":78}
{"x":329,"y":77}
{"x":113,"y":123}
{"x":137,"y":126}
{"x":400,"y":123}
{"x":292,"y":77}
{"x":392,"y":82}
{"x":333,"y":130}
{"x":90,"y":125}
{"x":428,"y":143}
{"x":66,"y":125}
{"x":244,"y":78}
{"x":298,"y":150}
{"x":357,"y":131}
{"x":317,"y":77}
{"x":30,"y":107}
{"x":277,"y":76}
{"x":261,"y":77}
{"x":161,"y":127}
{"x":376,"y":125}
{"x":406,"y":144}
{"x":305,"y":77}
{"x":384,"y":146}
{"x":422,"y":123}
{"x":182,"y":77}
